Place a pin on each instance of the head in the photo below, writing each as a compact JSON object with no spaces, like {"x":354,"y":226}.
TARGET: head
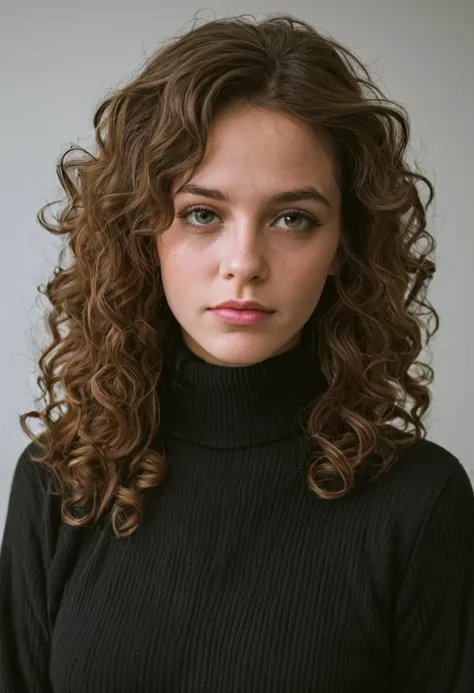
{"x":244,"y":112}
{"x":230,"y":239}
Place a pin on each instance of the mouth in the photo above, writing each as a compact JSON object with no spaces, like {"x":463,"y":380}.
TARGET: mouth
{"x":243,"y":306}
{"x":241,"y":316}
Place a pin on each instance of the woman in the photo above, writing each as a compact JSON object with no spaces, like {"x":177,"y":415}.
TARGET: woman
{"x":233,"y":490}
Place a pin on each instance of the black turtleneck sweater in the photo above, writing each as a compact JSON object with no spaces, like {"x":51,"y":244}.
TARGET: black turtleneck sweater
{"x":240,"y":579}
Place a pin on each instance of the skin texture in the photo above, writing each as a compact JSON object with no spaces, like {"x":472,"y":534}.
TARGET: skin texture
{"x":247,"y":248}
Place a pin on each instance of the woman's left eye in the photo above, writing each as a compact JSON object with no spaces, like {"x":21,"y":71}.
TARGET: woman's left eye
{"x":311,"y":222}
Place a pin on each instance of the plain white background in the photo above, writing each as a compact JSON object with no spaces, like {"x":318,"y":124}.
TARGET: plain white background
{"x":58,"y":59}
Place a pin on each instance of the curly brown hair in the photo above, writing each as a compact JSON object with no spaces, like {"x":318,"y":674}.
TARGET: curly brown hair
{"x":372,"y":316}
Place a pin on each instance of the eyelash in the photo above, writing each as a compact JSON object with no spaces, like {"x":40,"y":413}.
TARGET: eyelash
{"x":313,"y":221}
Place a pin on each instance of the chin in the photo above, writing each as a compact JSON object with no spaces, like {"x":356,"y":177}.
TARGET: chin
{"x":237,"y":349}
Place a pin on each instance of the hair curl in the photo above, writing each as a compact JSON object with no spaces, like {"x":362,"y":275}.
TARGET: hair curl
{"x":371,"y":317}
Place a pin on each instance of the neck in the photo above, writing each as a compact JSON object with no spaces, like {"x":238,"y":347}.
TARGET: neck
{"x":238,"y":406}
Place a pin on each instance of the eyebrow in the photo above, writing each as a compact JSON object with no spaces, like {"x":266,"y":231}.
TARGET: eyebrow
{"x":295,"y":195}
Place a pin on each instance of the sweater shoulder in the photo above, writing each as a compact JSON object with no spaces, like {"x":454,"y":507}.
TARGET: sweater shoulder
{"x":417,"y":475}
{"x":413,"y":481}
{"x":425,"y":476}
{"x":32,"y":481}
{"x":425,"y":494}
{"x":427,"y":465}
{"x":33,"y":505}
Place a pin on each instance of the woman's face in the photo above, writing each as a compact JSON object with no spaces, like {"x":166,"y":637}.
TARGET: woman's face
{"x":243,"y":245}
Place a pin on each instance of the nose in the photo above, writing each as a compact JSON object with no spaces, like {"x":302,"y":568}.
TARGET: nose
{"x":244,"y":257}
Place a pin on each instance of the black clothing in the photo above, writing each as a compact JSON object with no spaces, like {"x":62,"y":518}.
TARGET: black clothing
{"x":239,"y":578}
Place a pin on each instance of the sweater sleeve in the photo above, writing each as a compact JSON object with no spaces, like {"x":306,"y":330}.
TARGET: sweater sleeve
{"x":433,"y":648}
{"x":24,"y":559}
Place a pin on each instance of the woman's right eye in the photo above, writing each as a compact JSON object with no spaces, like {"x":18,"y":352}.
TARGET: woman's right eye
{"x":200,"y":210}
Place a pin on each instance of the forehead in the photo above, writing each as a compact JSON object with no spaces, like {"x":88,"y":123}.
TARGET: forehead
{"x":260,"y":153}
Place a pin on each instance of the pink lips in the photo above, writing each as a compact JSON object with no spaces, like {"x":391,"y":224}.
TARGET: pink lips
{"x":241,"y":317}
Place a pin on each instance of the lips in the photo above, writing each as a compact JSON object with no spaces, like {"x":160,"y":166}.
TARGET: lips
{"x":243,"y":306}
{"x":241,"y":316}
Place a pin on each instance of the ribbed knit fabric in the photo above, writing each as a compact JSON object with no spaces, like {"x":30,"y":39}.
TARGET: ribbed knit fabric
{"x":240,"y":579}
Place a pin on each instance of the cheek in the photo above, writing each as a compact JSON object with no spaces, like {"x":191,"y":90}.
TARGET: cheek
{"x":308,"y":274}
{"x":180,"y":272}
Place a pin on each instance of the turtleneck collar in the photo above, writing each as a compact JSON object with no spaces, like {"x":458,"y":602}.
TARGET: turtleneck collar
{"x":238,"y":406}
